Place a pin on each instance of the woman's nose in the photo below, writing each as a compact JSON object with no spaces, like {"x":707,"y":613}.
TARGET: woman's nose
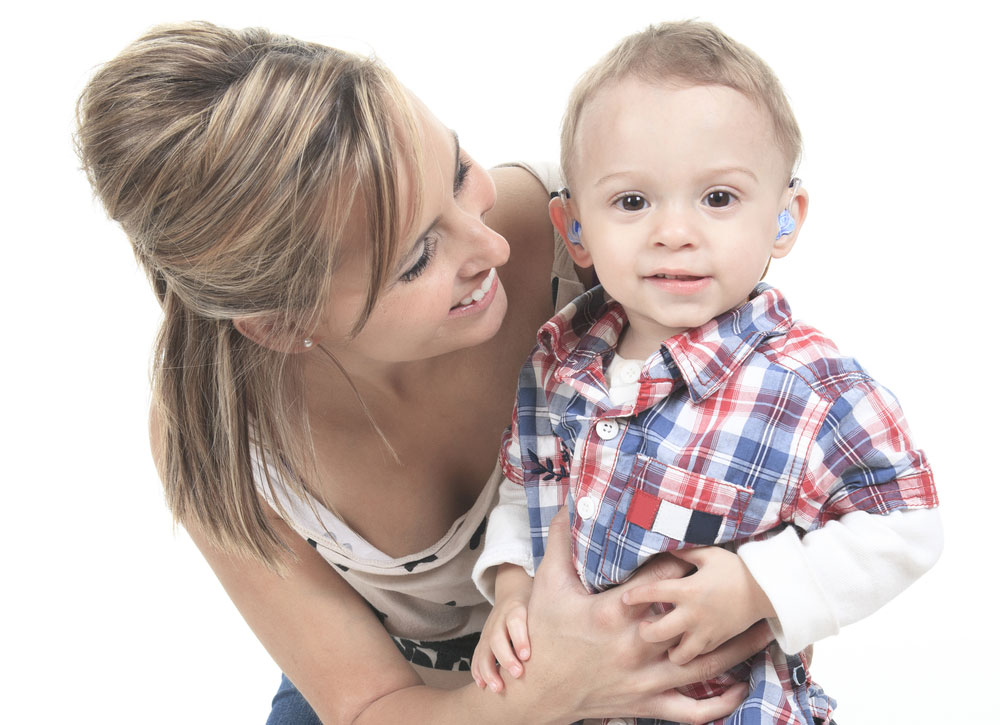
{"x":484,"y":248}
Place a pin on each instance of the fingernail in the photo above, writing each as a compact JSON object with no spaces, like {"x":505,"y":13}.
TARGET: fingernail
{"x":524,"y":654}
{"x":495,"y":687}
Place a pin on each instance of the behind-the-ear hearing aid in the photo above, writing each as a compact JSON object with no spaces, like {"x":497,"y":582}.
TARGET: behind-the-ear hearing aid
{"x":573,"y":228}
{"x":786,"y":222}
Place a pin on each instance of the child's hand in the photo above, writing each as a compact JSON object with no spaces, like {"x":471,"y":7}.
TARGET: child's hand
{"x":710,"y":606}
{"x":505,"y":633}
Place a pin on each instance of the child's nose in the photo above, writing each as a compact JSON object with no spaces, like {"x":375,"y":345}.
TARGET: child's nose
{"x":674,"y":229}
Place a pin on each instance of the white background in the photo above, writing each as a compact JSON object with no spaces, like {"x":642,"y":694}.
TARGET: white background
{"x":110,"y":616}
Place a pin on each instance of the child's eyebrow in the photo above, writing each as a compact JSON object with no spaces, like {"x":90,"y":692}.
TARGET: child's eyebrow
{"x":733,"y":170}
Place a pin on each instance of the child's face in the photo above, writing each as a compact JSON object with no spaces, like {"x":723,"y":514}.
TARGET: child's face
{"x":677,"y":190}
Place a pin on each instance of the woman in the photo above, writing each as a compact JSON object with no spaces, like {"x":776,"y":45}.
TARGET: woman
{"x":335,"y":368}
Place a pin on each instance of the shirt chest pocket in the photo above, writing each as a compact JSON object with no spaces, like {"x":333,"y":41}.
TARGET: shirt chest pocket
{"x":663,"y":508}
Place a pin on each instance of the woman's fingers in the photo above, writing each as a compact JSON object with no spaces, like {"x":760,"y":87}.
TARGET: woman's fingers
{"x":675,"y":706}
{"x":727,"y":655}
{"x":556,"y":570}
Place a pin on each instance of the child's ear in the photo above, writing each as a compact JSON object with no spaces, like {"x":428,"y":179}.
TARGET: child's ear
{"x":798,"y":206}
{"x":562,"y":217}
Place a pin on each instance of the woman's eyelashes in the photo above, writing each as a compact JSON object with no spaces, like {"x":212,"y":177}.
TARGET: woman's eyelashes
{"x":430,"y":241}
{"x":430,"y":245}
{"x":461,"y":172}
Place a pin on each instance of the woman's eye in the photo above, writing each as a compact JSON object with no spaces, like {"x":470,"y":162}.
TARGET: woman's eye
{"x":719,"y":199}
{"x":430,"y":246}
{"x":631,"y":202}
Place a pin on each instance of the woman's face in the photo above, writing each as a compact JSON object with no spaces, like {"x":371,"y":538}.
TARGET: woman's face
{"x":445,"y":294}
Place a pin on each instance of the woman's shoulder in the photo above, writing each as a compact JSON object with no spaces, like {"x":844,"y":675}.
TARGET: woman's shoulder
{"x":521,"y":214}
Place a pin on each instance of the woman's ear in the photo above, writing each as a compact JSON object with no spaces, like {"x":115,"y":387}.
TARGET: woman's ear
{"x":797,"y":207}
{"x":267,"y":332}
{"x":561,"y":214}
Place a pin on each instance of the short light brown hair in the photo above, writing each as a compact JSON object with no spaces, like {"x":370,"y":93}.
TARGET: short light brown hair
{"x":691,"y":52}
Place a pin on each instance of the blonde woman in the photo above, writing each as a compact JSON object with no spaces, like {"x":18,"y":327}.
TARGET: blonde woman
{"x":347,"y":299}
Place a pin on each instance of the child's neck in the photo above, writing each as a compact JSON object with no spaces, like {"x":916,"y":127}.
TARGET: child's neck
{"x":634,"y":346}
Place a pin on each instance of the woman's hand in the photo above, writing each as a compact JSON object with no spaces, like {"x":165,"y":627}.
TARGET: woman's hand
{"x":589,"y":660}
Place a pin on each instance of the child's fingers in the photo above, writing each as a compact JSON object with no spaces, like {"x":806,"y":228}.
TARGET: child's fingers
{"x":691,"y":645}
{"x":664,"y":591}
{"x":481,"y":658}
{"x":517,"y":627}
{"x":671,"y":625}
{"x":500,"y":644}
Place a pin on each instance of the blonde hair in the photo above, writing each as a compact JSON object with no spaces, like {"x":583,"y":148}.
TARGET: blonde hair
{"x":692,"y":52}
{"x":232,"y":160}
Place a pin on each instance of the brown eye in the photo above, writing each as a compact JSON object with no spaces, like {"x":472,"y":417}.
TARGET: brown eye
{"x":632,"y":202}
{"x":719,"y":199}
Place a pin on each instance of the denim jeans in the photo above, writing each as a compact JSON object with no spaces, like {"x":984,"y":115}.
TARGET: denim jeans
{"x":289,"y":707}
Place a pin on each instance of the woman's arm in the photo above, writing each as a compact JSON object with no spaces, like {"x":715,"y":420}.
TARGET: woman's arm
{"x":325,"y":638}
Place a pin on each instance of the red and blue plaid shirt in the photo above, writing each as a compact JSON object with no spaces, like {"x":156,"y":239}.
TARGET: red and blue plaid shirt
{"x":742,"y":426}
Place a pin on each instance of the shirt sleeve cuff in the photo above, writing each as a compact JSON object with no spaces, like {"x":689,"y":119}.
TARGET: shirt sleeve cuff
{"x":508,"y":540}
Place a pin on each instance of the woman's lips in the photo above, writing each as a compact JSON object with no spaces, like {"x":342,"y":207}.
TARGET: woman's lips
{"x":480,"y":297}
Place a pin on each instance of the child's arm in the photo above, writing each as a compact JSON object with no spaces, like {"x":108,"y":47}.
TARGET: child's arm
{"x":842,"y":572}
{"x":503,"y":575}
{"x":806,"y":587}
{"x":505,"y":634}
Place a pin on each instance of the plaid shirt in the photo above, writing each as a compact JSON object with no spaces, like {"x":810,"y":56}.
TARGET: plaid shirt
{"x":744,"y":425}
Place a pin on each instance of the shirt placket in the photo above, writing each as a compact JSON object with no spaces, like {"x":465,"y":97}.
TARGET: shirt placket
{"x":600,"y":455}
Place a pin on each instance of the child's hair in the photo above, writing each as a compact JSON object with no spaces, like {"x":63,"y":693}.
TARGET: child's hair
{"x":232,"y":160}
{"x":694,"y":53}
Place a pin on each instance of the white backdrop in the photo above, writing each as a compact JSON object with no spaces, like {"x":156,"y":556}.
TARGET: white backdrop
{"x":110,"y":616}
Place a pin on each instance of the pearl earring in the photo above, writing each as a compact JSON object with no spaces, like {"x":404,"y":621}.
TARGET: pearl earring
{"x":307,"y":343}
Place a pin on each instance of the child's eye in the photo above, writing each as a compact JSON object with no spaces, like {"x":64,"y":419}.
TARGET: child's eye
{"x":719,"y":199}
{"x":631,"y":202}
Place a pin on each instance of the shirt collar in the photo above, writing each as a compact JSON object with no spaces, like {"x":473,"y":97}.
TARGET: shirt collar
{"x":589,"y":327}
{"x":707,"y":355}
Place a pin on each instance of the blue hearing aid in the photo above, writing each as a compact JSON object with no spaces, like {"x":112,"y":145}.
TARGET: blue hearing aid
{"x":786,"y":222}
{"x":573,"y":231}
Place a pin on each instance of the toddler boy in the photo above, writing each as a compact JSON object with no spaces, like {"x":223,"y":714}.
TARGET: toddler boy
{"x":678,"y":406}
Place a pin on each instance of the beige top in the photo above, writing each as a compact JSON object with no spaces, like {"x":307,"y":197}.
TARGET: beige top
{"x":426,"y":600}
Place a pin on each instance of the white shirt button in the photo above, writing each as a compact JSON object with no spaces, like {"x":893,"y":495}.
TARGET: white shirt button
{"x":629,"y":373}
{"x":607,"y":429}
{"x":586,"y":507}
